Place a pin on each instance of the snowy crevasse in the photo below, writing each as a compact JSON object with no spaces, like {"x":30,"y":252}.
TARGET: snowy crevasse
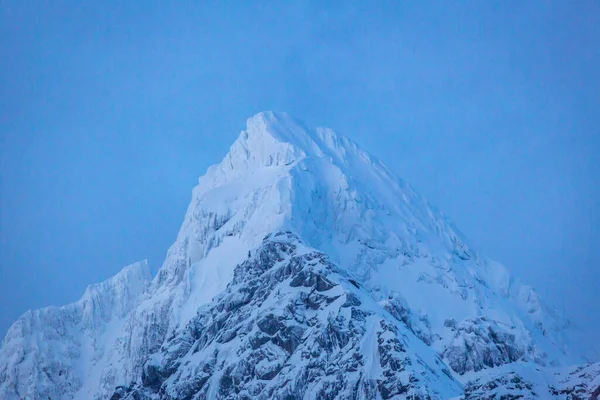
{"x":278,"y":176}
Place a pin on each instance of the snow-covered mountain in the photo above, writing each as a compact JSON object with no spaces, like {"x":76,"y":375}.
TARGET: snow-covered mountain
{"x":303,"y":269}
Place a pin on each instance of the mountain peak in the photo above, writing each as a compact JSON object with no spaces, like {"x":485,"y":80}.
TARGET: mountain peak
{"x":270,"y":117}
{"x":277,"y":139}
{"x":282,"y":128}
{"x":352,"y":258}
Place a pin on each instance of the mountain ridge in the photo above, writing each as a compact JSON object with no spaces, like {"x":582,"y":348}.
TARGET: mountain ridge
{"x":338,"y":200}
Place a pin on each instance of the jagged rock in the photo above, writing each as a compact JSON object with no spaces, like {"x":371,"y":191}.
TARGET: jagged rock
{"x":271,"y":361}
{"x":478,"y":344}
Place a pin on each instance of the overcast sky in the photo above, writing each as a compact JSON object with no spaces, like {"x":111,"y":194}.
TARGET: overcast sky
{"x":109,"y":111}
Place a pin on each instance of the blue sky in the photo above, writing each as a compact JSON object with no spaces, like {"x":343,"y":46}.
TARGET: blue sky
{"x":109,"y":111}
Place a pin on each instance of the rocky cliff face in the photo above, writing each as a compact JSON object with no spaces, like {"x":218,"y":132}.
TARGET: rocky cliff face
{"x":304,"y":269}
{"x":292,"y":325}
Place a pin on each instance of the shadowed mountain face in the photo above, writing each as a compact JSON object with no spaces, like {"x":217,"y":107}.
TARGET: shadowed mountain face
{"x":303,"y":269}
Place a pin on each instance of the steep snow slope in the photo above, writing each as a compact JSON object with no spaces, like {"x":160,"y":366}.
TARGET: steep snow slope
{"x":52,"y":352}
{"x":417,"y":270}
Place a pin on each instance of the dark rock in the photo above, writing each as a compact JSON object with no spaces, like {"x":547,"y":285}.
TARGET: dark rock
{"x":280,"y":342}
{"x":152,"y":377}
{"x":270,"y":325}
{"x":351,"y":300}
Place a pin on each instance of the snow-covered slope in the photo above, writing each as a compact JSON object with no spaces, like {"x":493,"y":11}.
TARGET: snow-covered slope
{"x":53,"y":352}
{"x":436,"y":318}
{"x":293,"y":325}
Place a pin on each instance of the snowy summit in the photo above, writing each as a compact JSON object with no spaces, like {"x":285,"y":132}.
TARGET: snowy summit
{"x":304,"y":268}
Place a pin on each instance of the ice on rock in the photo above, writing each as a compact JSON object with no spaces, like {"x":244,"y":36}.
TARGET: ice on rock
{"x":54,"y":351}
{"x":303,"y":268}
